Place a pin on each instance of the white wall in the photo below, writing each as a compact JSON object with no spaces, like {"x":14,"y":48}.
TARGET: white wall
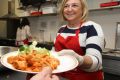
{"x":95,"y":4}
{"x":49,"y":24}
{"x":108,"y":20}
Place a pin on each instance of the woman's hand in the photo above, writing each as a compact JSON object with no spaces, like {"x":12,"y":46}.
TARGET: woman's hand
{"x":72,"y":53}
{"x":45,"y":74}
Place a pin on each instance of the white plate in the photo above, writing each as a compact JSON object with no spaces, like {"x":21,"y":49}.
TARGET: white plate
{"x":66,"y":63}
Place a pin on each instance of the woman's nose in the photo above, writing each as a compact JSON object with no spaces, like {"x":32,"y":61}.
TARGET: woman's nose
{"x":69,"y":8}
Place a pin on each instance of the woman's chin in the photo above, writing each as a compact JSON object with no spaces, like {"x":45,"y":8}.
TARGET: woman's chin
{"x":70,"y":19}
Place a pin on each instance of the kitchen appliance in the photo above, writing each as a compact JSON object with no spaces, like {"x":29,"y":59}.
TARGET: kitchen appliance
{"x":4,"y":50}
{"x":117,"y":44}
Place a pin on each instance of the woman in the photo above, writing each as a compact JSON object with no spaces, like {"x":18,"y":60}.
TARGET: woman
{"x":23,"y":34}
{"x":82,"y":39}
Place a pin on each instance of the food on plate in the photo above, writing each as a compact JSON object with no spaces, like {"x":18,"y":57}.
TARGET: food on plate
{"x":32,"y":58}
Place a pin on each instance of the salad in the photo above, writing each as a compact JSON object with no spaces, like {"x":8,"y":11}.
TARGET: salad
{"x":32,"y":58}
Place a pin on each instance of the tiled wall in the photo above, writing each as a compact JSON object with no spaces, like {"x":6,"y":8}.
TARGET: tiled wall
{"x":108,"y":20}
{"x":44,"y":28}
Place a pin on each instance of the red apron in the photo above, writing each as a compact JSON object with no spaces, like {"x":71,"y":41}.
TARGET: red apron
{"x":26,"y":41}
{"x":72,"y":42}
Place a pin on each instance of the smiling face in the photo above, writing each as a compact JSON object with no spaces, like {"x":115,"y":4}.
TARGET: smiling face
{"x":72,"y":10}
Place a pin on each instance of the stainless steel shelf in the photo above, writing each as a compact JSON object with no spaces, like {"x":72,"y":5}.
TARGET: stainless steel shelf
{"x":106,"y":8}
{"x":17,"y":17}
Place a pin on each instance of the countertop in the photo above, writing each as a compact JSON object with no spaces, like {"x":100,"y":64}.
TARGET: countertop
{"x":111,"y":63}
{"x":7,"y":42}
{"x":112,"y":54}
{"x":11,"y":42}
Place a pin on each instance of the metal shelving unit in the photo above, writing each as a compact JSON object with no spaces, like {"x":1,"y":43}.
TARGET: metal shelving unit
{"x":106,"y":8}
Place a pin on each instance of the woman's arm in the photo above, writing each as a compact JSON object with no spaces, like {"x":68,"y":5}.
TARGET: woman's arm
{"x":94,"y":46}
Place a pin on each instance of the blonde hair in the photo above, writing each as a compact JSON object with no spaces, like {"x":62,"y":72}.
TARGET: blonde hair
{"x":84,"y":9}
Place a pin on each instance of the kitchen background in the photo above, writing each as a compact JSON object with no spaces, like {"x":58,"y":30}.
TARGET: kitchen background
{"x":48,"y":25}
{"x":44,"y":29}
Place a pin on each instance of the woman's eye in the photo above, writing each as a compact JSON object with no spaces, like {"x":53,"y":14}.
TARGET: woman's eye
{"x":72,"y":5}
{"x":75,"y":5}
{"x":66,"y":6}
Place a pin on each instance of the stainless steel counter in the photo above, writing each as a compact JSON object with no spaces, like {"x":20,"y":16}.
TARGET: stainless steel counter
{"x":6,"y":49}
{"x":111,"y":63}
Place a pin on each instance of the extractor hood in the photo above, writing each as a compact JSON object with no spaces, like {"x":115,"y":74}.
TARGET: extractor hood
{"x":11,"y":10}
